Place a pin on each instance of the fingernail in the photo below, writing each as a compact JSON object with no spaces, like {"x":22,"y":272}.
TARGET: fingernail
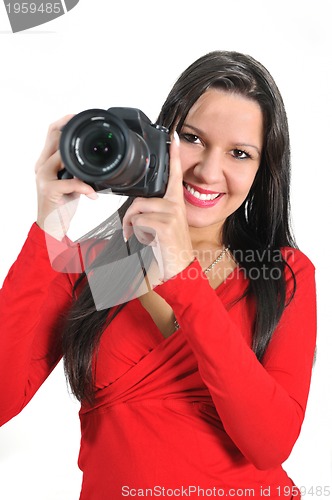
{"x":93,"y":196}
{"x":124,"y":237}
{"x":176,"y":138}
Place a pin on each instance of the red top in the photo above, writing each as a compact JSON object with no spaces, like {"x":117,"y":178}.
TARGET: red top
{"x":196,"y":413}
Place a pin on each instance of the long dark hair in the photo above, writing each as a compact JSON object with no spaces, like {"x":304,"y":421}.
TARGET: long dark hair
{"x":258,"y":229}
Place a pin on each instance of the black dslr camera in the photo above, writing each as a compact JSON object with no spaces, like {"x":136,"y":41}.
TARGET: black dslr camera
{"x":118,"y":149}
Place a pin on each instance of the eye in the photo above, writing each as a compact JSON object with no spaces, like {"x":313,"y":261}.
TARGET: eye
{"x":191,"y":138}
{"x":240,"y":154}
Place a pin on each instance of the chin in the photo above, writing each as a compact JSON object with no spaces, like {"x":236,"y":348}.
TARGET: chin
{"x":203,"y":221}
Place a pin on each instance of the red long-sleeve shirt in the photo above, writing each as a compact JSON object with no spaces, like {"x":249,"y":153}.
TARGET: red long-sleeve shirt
{"x":194,"y":413}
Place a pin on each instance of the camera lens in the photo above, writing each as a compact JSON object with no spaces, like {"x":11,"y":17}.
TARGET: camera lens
{"x":99,"y":146}
{"x":98,"y":149}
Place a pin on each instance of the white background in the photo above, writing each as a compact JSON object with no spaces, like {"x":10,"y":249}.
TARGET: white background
{"x":129,"y":53}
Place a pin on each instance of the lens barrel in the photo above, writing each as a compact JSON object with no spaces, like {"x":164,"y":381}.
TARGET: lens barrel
{"x":98,"y":147}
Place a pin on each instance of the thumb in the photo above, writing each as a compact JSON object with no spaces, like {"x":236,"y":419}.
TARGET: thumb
{"x":174,"y":190}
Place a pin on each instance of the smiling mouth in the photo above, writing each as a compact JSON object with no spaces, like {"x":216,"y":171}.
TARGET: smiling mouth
{"x":201,"y":196}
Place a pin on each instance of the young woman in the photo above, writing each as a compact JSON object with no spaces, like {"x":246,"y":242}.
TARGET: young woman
{"x":199,"y":386}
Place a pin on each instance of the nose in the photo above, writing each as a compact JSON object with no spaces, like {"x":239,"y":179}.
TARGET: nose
{"x":210,"y":169}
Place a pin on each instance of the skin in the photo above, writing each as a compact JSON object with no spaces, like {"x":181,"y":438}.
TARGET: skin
{"x":219,"y":151}
{"x":52,"y":193}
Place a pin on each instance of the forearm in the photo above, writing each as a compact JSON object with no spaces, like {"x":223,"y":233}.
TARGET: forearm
{"x":31,"y":319}
{"x":261,"y":407}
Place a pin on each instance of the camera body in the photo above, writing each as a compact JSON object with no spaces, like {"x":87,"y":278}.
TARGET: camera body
{"x":118,"y":149}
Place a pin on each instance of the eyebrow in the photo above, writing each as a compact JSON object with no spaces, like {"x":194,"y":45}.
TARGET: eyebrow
{"x":200,"y":132}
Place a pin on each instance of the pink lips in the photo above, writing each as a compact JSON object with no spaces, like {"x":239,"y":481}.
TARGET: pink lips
{"x":201,"y":203}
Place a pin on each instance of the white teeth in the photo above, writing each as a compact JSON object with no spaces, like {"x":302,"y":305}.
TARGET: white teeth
{"x":201,"y":196}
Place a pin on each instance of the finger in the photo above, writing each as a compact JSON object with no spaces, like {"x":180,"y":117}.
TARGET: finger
{"x":138,"y":207}
{"x":174,"y":191}
{"x":50,"y":168}
{"x":159,"y":260}
{"x":52,"y":138}
{"x":48,"y":173}
{"x":144,"y":234}
{"x":133,"y":210}
{"x":75,"y":186}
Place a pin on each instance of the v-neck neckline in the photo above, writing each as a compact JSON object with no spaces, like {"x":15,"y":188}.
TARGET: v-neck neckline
{"x":148,"y":318}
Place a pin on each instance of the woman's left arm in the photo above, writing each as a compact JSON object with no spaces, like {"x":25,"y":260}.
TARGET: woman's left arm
{"x":261,"y":405}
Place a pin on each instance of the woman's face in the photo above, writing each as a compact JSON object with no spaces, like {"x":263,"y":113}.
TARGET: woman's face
{"x":221,"y":147}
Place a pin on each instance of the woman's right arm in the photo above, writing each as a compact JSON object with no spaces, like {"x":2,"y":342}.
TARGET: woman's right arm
{"x":56,"y":199}
{"x":35,"y":298}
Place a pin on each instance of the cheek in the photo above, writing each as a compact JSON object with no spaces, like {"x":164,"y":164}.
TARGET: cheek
{"x":188,"y":157}
{"x":240,"y":182}
{"x":185,"y":165}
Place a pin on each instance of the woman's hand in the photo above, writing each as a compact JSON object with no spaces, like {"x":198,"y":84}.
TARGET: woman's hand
{"x":56,"y":198}
{"x":162,"y":222}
